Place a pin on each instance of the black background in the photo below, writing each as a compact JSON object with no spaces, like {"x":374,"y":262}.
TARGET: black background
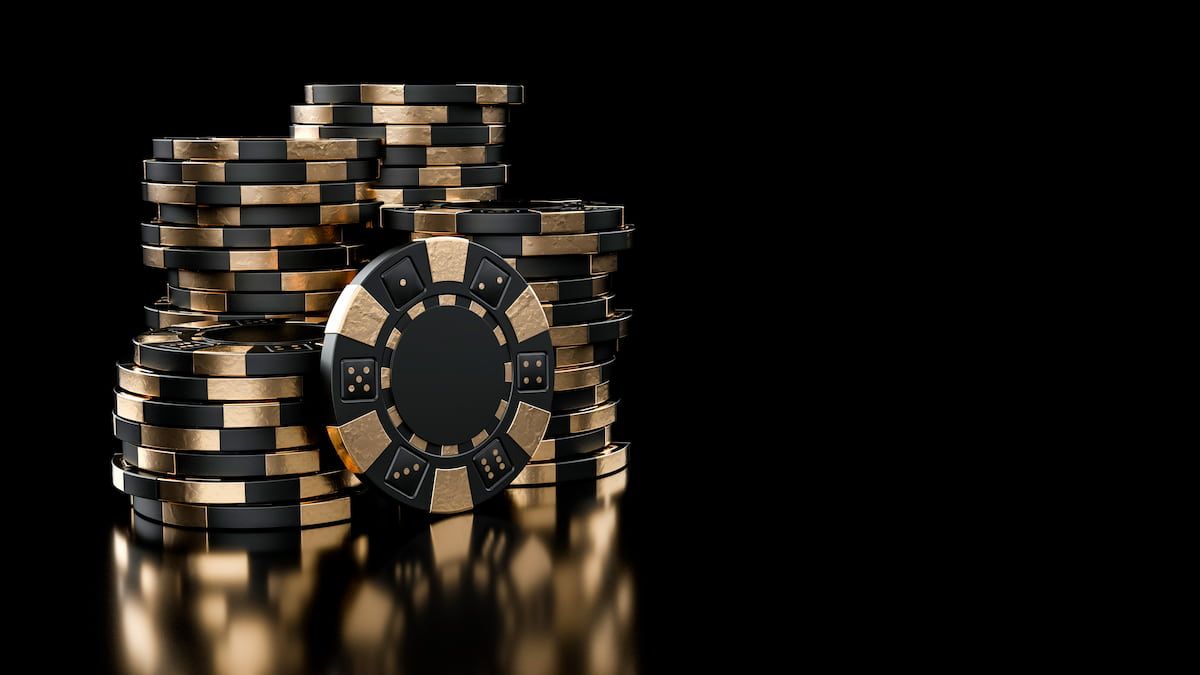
{"x":641,"y":135}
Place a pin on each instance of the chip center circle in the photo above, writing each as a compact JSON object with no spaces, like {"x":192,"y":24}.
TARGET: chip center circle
{"x":448,"y":377}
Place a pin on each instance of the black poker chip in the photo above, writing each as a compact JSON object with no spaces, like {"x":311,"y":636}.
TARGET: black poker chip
{"x":240,"y":415}
{"x":443,"y":176}
{"x":262,"y":282}
{"x":174,"y":386}
{"x":604,"y":330}
{"x":162,"y":314}
{"x":555,"y":290}
{"x":216,"y":465}
{"x":293,"y":215}
{"x":409,"y":134}
{"x":306,"y":513}
{"x":201,"y":171}
{"x":433,"y":155}
{"x":467,"y":345}
{"x":223,"y":301}
{"x":438,"y":194}
{"x":557,"y":266}
{"x":238,"y":348}
{"x":577,"y":311}
{"x":579,"y":399}
{"x":137,"y":483}
{"x":194,"y":236}
{"x":219,"y":194}
{"x":585,"y":354}
{"x":416,"y":94}
{"x":266,"y":260}
{"x":573,"y":444}
{"x":611,"y":459}
{"x":358,"y":114}
{"x":263,"y":149}
{"x":257,"y":439}
{"x":583,"y":420}
{"x":506,"y":218}
{"x":549,"y":244}
{"x":578,"y":377}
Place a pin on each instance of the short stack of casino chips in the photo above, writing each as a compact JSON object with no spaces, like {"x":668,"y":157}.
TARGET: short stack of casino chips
{"x":440,"y":142}
{"x":568,"y":252}
{"x":217,"y":429}
{"x":256,"y":228}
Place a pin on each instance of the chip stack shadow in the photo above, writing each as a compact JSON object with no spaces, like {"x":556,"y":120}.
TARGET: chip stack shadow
{"x":441,"y":143}
{"x":217,"y":431}
{"x":256,"y":228}
{"x":568,"y":251}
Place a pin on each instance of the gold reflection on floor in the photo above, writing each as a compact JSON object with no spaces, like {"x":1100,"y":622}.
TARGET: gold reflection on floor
{"x":536,"y":585}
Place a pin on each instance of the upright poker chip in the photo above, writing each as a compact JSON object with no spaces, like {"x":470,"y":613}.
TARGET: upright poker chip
{"x":583,"y":420}
{"x":550,"y":244}
{"x":467,"y":345}
{"x":611,"y":459}
{"x":294,"y":215}
{"x":580,"y":288}
{"x":434,"y":155}
{"x":576,"y":400}
{"x":215,"y":465}
{"x":138,"y":380}
{"x":249,"y":517}
{"x":218,"y":194}
{"x":409,"y":134}
{"x":262,"y":282}
{"x":194,"y":236}
{"x":200,"y":171}
{"x":557,"y":266}
{"x":137,"y":483}
{"x":605,"y":330}
{"x":238,"y":415}
{"x":435,"y":194}
{"x":416,"y":94}
{"x":264,"y":149}
{"x":577,"y":311}
{"x":239,"y":349}
{"x":506,"y":218}
{"x":585,"y":354}
{"x":162,"y":314}
{"x":260,"y":439}
{"x":399,"y":114}
{"x":222,"y":301}
{"x":442,"y":176}
{"x":265,"y":259}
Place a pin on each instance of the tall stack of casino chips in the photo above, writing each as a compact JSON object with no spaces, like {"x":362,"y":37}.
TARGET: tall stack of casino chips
{"x":255,"y":228}
{"x":567,"y":250}
{"x":440,"y":142}
{"x":218,"y":429}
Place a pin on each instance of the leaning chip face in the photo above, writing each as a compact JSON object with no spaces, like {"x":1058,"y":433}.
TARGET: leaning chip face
{"x":441,"y":370}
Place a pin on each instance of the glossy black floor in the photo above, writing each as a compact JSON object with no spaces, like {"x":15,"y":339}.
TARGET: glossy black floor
{"x":636,"y":580}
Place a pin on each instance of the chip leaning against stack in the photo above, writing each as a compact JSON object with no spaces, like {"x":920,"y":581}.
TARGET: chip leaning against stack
{"x":256,"y":228}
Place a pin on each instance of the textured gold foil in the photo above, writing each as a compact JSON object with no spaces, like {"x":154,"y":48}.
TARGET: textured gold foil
{"x":290,"y":463}
{"x":382,"y":93}
{"x":528,"y":426}
{"x":129,"y":407}
{"x":491,"y":93}
{"x":228,"y":389}
{"x":137,"y":381}
{"x":443,"y":155}
{"x":203,"y":172}
{"x":253,"y":260}
{"x":152,"y":256}
{"x":204,"y":149}
{"x":360,"y":441}
{"x":244,"y":415}
{"x":328,"y":511}
{"x":170,"y":193}
{"x":593,"y":419}
{"x":185,"y":515}
{"x":562,"y":222}
{"x":440,"y":176}
{"x":526,"y":316}
{"x":451,"y":491}
{"x":318,"y":172}
{"x":409,"y":134}
{"x":357,"y":315}
{"x":447,"y":258}
{"x":499,"y":333}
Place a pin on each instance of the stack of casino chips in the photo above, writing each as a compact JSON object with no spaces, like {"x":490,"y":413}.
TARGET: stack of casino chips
{"x":216,"y":430}
{"x":254,"y":228}
{"x":440,"y":142}
{"x":567,"y":250}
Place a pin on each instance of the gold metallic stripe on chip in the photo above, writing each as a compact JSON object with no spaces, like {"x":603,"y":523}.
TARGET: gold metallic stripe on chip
{"x":587,"y":420}
{"x":324,"y":172}
{"x":326,"y":511}
{"x":184,"y":515}
{"x":611,"y":458}
{"x":476,"y":309}
{"x":436,"y":221}
{"x":153,"y":256}
{"x":508,"y":371}
{"x":498,"y":331}
{"x":578,"y":378}
{"x":485,"y":193}
{"x":204,"y":149}
{"x":393,"y":339}
{"x":479,"y":438}
{"x":138,"y":381}
{"x":491,"y":93}
{"x":253,"y":260}
{"x":408,"y":135}
{"x":574,"y":356}
{"x":443,"y":176}
{"x":357,"y":315}
{"x":360,"y":441}
{"x":528,"y":426}
{"x":604,"y":263}
{"x":418,"y":442}
{"x":393,"y":414}
{"x":561,"y":222}
{"x":501,"y":409}
{"x":130,"y":408}
{"x":416,"y":310}
{"x":496,"y":134}
{"x":451,"y":491}
{"x":385,"y":377}
{"x":465,"y":154}
{"x":203,"y":172}
{"x":291,"y":463}
{"x":447,"y":258}
{"x":244,"y":415}
{"x":446,"y":299}
{"x":526,"y":315}
{"x":381,"y":93}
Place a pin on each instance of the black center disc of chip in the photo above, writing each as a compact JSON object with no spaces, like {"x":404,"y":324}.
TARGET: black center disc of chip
{"x":440,"y":369}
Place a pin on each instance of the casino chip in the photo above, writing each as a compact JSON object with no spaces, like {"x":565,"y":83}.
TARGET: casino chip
{"x":398,"y":114}
{"x":440,"y":369}
{"x":172,"y":386}
{"x":263,"y":149}
{"x":573,"y":444}
{"x":305,"y":513}
{"x":409,"y":134}
{"x":604,"y":330}
{"x":441,"y":194}
{"x":570,"y":289}
{"x":265,"y":260}
{"x":296,"y":215}
{"x":575,"y":400}
{"x":194,"y":171}
{"x":168,"y":462}
{"x":577,"y":311}
{"x":187,"y":236}
{"x":416,"y":94}
{"x":221,"y":301}
{"x":138,"y":483}
{"x":610,"y":459}
{"x":507,"y":218}
{"x":558,"y":266}
{"x":238,"y":348}
{"x":214,"y":440}
{"x":442,"y":176}
{"x":549,"y":244}
{"x":216,"y":194}
{"x":433,"y":155}
{"x":162,"y":314}
{"x":262,"y":282}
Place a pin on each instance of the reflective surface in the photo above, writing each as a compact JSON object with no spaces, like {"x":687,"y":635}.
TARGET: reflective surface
{"x":536,"y":583}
